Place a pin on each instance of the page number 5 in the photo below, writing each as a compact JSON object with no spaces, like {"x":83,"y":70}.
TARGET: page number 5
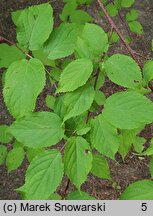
{"x":144,"y":207}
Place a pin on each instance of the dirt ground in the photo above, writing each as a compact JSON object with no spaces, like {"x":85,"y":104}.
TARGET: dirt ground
{"x":133,"y":168}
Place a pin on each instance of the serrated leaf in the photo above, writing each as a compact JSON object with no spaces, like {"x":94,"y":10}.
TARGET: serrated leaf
{"x":79,"y":101}
{"x":100,"y":167}
{"x":98,"y":46}
{"x":128,"y":110}
{"x":127,"y":139}
{"x":114,"y":38}
{"x":136,"y":27}
{"x":5,"y":136}
{"x":50,"y":101}
{"x":43,"y":175}
{"x":24,"y":80}
{"x":82,"y":49}
{"x":140,"y":190}
{"x":104,"y":137}
{"x":129,"y":76}
{"x":3,"y":154}
{"x":139,"y":144}
{"x":77,"y":160}
{"x":59,"y":107}
{"x":67,"y":10}
{"x":112,"y":10}
{"x":38,"y":130}
{"x":55,"y":73}
{"x":83,"y":131}
{"x":80,"y":17}
{"x":149,"y":150}
{"x":127,"y":3}
{"x":79,"y":195}
{"x":76,"y":74}
{"x":100,"y":97}
{"x":43,"y":57}
{"x":14,"y":158}
{"x":32,"y":153}
{"x":148,"y":71}
{"x":34,"y":26}
{"x":9,"y":54}
{"x":132,"y":15}
{"x":61,"y":43}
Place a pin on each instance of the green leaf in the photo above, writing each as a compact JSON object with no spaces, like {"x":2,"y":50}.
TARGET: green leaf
{"x":132,"y":15}
{"x":83,"y":131}
{"x":34,"y":26}
{"x":38,"y":130}
{"x":139,"y":144}
{"x":61,"y":43}
{"x":136,"y":27}
{"x":68,"y":9}
{"x":112,"y":10}
{"x":77,"y":160}
{"x":50,"y":101}
{"x":3,"y":154}
{"x":129,"y":76}
{"x":98,"y":46}
{"x":44,"y":175}
{"x":80,"y":17}
{"x":24,"y":80}
{"x":101,"y":79}
{"x":149,"y":150}
{"x":55,"y":73}
{"x":32,"y":153}
{"x":148,"y":71}
{"x":14,"y":158}
{"x":127,"y":139}
{"x":76,"y":74}
{"x":100,"y":167}
{"x":151,"y":167}
{"x":79,"y":195}
{"x":140,"y":190}
{"x":59,"y":107}
{"x":79,"y":101}
{"x":127,"y":3}
{"x":128,"y":110}
{"x":9,"y":54}
{"x":55,"y":196}
{"x":5,"y":137}
{"x":104,"y":137}
{"x":82,"y":49}
{"x":43,"y":57}
{"x":100,"y":97}
{"x":114,"y":38}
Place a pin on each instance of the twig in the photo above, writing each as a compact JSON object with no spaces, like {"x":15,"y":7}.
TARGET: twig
{"x":121,"y":18}
{"x":66,"y":188}
{"x":88,"y":116}
{"x":14,"y":44}
{"x":96,"y":80}
{"x":29,"y":56}
{"x":129,"y":49}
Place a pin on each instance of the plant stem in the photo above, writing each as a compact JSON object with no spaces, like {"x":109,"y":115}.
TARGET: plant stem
{"x":121,"y":18}
{"x":29,"y":56}
{"x":111,"y":22}
{"x":14,"y":44}
{"x":96,"y":80}
{"x":66,"y":188}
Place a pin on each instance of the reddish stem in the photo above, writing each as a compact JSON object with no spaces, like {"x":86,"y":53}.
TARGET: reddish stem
{"x":131,"y":52}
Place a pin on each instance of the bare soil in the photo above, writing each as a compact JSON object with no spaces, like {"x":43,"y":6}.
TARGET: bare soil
{"x":133,"y":168}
